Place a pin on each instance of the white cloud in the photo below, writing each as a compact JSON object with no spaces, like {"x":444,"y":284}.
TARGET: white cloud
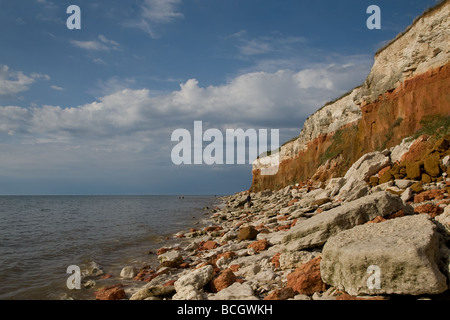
{"x":281,"y":99}
{"x":57,"y":88}
{"x":13,"y":82}
{"x":274,"y":42}
{"x":100,"y":44}
{"x":154,"y":13}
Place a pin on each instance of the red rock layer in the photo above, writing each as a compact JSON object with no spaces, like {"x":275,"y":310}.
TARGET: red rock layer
{"x":396,"y":115}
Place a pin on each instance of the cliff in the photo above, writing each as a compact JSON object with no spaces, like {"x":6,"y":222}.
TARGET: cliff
{"x":409,"y":83}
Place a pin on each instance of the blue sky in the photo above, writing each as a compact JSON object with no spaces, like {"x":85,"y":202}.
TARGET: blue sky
{"x":92,"y":111}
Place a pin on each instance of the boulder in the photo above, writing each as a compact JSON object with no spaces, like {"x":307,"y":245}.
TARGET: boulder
{"x":443,"y":221}
{"x":413,"y":171}
{"x":431,"y":164}
{"x":399,"y":150}
{"x":315,"y":231}
{"x":237,"y":291}
{"x":334,"y":185}
{"x":368,"y":165}
{"x":170,"y":259}
{"x":247,"y":233}
{"x":397,"y":256}
{"x":128,"y":272}
{"x":197,"y":278}
{"x":189,"y":286}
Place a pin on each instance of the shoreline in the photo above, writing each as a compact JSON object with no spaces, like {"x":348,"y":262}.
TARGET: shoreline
{"x":287,"y":243}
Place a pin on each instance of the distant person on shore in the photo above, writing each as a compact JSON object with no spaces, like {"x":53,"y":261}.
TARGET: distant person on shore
{"x":249,"y":200}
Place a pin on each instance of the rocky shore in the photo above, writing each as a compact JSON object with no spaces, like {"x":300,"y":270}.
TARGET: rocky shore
{"x":380,"y":232}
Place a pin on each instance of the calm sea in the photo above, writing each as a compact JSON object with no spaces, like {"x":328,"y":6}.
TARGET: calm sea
{"x":40,"y":236}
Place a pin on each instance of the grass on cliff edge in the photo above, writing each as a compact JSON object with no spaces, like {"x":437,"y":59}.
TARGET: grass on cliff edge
{"x":437,"y":126}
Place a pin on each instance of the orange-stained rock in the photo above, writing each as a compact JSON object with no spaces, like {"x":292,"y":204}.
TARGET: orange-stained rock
{"x":209,"y":245}
{"x":225,"y":279}
{"x":377,"y":219}
{"x":234,"y":267}
{"x":226,"y":255}
{"x":306,"y":279}
{"x":428,"y":195}
{"x":430,"y":209}
{"x":276,"y":260}
{"x":114,"y":292}
{"x":259,"y":245}
{"x":212,"y":228}
{"x":280,"y":294}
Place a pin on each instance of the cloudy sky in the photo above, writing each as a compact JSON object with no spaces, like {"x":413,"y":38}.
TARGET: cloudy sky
{"x":92,"y":111}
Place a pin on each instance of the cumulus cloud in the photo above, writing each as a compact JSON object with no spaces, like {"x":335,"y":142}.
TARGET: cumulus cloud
{"x":13,"y":82}
{"x":125,"y":135}
{"x":281,"y":99}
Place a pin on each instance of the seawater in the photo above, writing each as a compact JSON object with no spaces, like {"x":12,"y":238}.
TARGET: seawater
{"x":40,"y":236}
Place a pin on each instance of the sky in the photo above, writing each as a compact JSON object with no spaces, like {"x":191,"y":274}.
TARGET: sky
{"x":92,"y":110}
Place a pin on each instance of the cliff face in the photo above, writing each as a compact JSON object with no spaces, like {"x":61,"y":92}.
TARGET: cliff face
{"x":409,"y":81}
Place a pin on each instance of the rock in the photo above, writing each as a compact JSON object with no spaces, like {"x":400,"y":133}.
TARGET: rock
{"x":237,"y":291}
{"x":265,"y":276}
{"x":413,"y":171}
{"x":403,"y":250}
{"x":407,"y":195}
{"x":446,"y":161}
{"x":152,"y":291}
{"x":114,"y":292}
{"x":209,"y":245}
{"x":196,"y":278}
{"x":430,"y":209}
{"x":128,"y":272}
{"x":425,"y":178}
{"x":306,"y":279}
{"x":386,"y":177}
{"x":315,"y":231}
{"x":374,"y":181}
{"x":293,"y":259}
{"x":368,"y":165}
{"x":320,"y":202}
{"x":225,"y":279}
{"x":399,"y":150}
{"x":259,"y":245}
{"x":171,"y":259}
{"x":93,"y":270}
{"x":247,"y":233}
{"x":443,"y":221}
{"x":189,"y":286}
{"x":417,"y":187}
{"x":353,"y":189}
{"x":431,"y":164}
{"x":189,"y":292}
{"x":334,"y":185}
{"x":441,"y":145}
{"x":280,"y":294}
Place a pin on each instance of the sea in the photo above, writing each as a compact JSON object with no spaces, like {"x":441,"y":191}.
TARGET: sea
{"x":41,"y":236}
